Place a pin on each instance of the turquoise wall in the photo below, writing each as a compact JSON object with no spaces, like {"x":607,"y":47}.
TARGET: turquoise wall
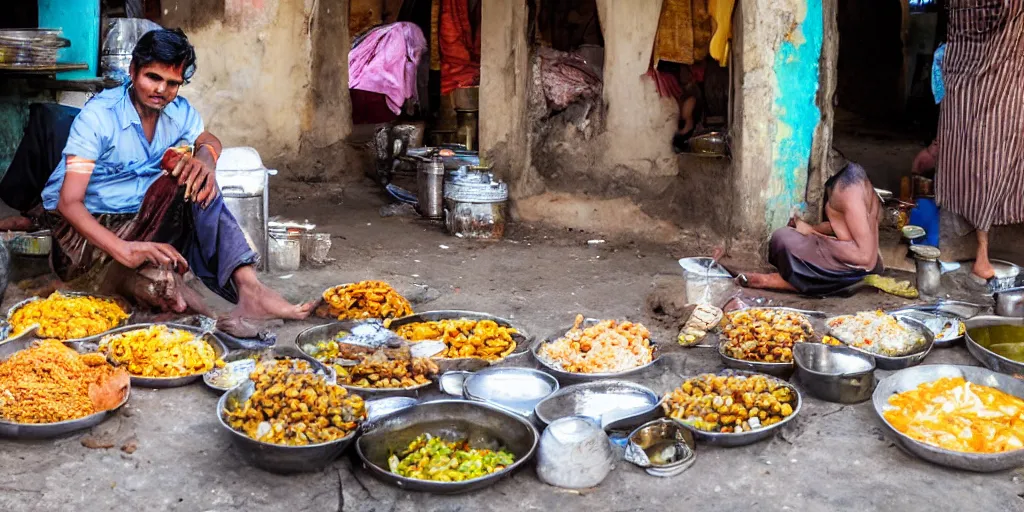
{"x":797,"y":116}
{"x":80,"y":21}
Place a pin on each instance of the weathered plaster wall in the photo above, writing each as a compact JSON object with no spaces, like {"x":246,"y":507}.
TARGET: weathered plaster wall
{"x":504,"y":85}
{"x":253,"y":76}
{"x":779,"y":46}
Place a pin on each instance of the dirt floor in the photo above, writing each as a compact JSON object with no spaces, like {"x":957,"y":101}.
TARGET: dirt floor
{"x":832,"y":457}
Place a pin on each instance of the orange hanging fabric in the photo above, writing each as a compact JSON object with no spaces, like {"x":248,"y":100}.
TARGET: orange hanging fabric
{"x":721,"y":14}
{"x":460,"y":47}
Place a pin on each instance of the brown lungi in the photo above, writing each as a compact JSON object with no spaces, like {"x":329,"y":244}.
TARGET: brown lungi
{"x":981,"y":125}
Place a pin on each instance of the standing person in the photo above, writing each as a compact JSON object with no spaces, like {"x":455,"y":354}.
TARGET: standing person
{"x":133,"y":218}
{"x":981,"y":122}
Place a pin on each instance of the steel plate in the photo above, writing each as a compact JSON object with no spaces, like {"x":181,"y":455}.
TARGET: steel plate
{"x":565,"y":376}
{"x":910,"y":378}
{"x":49,"y":430}
{"x":121,"y":303}
{"x":900,"y":362}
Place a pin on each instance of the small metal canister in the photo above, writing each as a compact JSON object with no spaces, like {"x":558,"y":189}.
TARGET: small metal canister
{"x":430,"y":184}
{"x":929,"y":274}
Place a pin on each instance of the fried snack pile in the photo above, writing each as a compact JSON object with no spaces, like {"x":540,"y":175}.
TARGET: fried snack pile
{"x":465,"y":338}
{"x":729,"y":404}
{"x":49,"y":382}
{"x":607,"y":347}
{"x":365,"y":299}
{"x":765,"y":335}
{"x":296,"y":407}
{"x":957,"y":415}
{"x":430,"y":458}
{"x":159,"y":351}
{"x":63,"y":317}
{"x":375,"y":369}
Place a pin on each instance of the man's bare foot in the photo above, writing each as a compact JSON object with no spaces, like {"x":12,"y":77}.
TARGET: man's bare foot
{"x":17,"y":223}
{"x":260,"y":302}
{"x":984,"y":270}
{"x":772,"y":281}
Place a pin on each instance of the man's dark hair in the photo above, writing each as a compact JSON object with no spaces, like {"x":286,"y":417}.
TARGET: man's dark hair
{"x":166,"y":46}
{"x":852,"y":174}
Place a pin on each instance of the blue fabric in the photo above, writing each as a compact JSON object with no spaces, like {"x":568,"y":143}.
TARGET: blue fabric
{"x":109,"y":131}
{"x":216,"y":247}
{"x":926,"y":215}
{"x":938,"y":86}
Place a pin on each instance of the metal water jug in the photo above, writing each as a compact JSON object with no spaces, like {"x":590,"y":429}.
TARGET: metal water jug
{"x":244,"y":183}
{"x":430,"y":187}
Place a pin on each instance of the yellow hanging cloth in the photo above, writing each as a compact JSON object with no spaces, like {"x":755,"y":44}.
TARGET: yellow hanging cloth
{"x":721,"y":16}
{"x":674,"y":39}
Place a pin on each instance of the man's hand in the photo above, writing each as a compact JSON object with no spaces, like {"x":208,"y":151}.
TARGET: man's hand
{"x":136,"y":254}
{"x":198,"y":178}
{"x":801,"y":227}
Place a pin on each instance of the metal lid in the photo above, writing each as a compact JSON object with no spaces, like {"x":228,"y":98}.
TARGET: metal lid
{"x":925,"y":252}
{"x":468,"y":186}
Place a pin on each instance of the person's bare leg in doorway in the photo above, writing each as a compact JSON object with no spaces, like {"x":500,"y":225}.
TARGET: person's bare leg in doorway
{"x":982,"y":266}
{"x":773,"y":281}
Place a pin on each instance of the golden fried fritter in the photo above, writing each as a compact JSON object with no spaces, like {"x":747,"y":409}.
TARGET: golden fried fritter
{"x":63,"y":317}
{"x":159,"y":351}
{"x":362,"y":300}
{"x":465,"y":338}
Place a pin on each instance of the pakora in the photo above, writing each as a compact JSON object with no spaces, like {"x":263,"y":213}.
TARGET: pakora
{"x":764,"y":335}
{"x":431,"y":458}
{"x":294,"y":406}
{"x":160,"y":351}
{"x":375,"y":369}
{"x":730,"y":403}
{"x":364,"y":300}
{"x":957,"y":415}
{"x":66,"y":317}
{"x":49,"y":382}
{"x":464,"y":338}
{"x":609,"y":346}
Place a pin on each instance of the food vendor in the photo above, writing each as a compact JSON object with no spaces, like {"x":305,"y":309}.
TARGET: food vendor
{"x":825,"y":258}
{"x":129,"y":217}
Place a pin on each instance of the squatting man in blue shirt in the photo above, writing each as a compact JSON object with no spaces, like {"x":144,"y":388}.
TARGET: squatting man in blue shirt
{"x":131,"y":212}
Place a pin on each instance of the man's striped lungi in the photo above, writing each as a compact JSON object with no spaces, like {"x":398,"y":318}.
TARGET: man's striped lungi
{"x":981,"y":126}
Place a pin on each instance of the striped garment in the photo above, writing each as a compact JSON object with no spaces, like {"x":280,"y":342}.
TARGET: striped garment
{"x":981,"y":125}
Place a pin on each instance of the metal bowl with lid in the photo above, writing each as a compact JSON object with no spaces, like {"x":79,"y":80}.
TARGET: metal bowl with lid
{"x":482,"y":425}
{"x":908,"y":379}
{"x":49,"y":430}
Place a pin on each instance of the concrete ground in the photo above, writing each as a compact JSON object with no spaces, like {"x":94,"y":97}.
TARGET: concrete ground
{"x":832,"y":457}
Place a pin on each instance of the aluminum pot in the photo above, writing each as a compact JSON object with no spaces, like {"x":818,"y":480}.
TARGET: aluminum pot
{"x":836,"y":374}
{"x":1010,"y":302}
{"x":574,"y":453}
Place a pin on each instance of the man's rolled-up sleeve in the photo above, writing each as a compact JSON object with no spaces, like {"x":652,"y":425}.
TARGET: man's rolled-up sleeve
{"x":87,"y":140}
{"x":192,"y":123}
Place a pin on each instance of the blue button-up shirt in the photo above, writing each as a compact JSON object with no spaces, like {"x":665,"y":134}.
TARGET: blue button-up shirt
{"x":109,"y":131}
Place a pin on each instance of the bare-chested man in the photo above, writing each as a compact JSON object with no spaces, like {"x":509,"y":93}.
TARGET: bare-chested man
{"x":825,"y":258}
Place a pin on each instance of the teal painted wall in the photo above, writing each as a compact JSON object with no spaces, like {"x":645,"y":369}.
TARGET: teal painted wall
{"x":80,"y":21}
{"x":797,"y":116}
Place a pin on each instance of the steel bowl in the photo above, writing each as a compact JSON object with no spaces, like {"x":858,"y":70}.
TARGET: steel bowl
{"x":990,"y":359}
{"x":910,"y":378}
{"x":883,"y":362}
{"x":571,"y":377}
{"x":678,"y":455}
{"x":92,"y":344}
{"x":49,"y":430}
{"x":518,"y":390}
{"x":480,"y":423}
{"x":732,"y":439}
{"x":380,"y":337}
{"x":277,"y":458}
{"x":836,"y":374}
{"x":470,"y":364}
{"x":275,"y":352}
{"x":121,"y":303}
{"x":615,"y":404}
